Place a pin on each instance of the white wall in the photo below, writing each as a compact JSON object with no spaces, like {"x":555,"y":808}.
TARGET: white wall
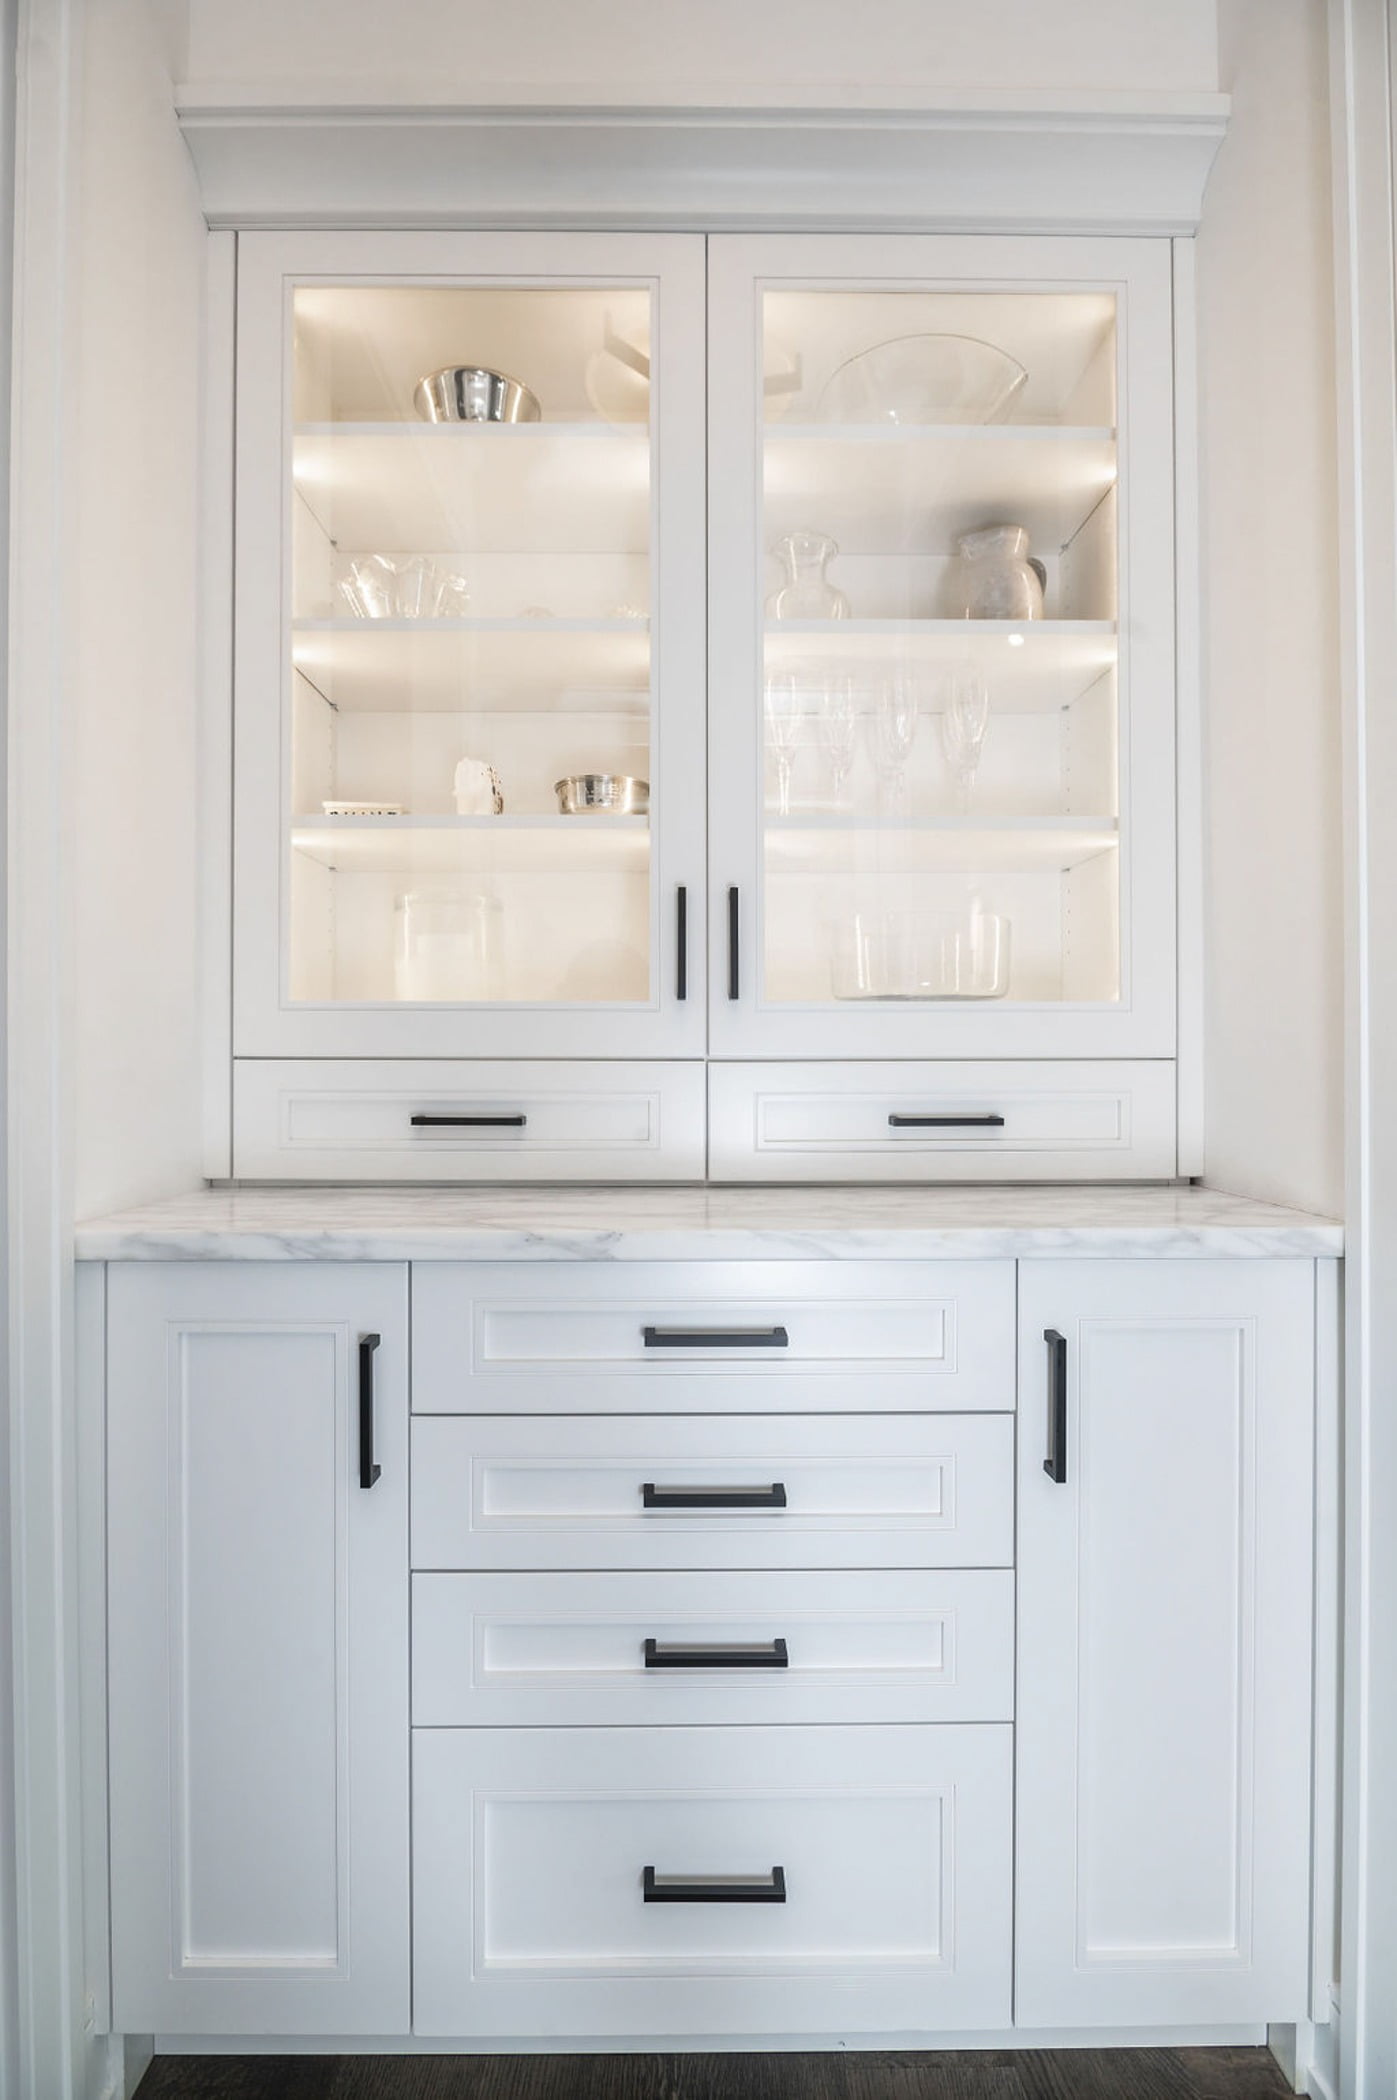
{"x":689,"y":51}
{"x":137,"y":289}
{"x":1273,"y":888}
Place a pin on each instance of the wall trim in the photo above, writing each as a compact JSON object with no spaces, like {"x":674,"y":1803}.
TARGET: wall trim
{"x":951,"y":163}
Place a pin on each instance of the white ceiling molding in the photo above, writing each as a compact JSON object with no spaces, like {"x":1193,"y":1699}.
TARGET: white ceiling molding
{"x":1088,"y":164}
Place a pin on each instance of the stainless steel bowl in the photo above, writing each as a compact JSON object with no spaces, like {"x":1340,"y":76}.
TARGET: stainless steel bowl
{"x":471,"y":394}
{"x":618,"y":793}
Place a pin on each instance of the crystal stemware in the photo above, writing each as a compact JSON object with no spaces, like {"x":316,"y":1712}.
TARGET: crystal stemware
{"x":839,"y":724}
{"x":963,"y":727}
{"x":783,"y":723}
{"x":894,"y":729}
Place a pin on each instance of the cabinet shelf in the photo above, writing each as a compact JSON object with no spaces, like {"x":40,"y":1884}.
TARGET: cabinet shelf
{"x":1030,"y":666}
{"x":447,"y":845}
{"x":889,"y":489}
{"x":867,"y":847}
{"x":463,"y":666}
{"x":537,"y":487}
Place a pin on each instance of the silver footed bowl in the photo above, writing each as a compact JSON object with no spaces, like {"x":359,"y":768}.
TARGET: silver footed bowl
{"x":618,"y":793}
{"x":472,"y":394}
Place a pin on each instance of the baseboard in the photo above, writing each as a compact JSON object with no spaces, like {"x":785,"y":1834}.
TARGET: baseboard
{"x":653,"y":2045}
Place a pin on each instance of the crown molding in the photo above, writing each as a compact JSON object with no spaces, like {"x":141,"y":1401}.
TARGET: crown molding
{"x":983,"y":162}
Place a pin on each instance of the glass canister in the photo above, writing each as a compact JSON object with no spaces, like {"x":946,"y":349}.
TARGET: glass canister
{"x":447,"y":944}
{"x":995,"y":579}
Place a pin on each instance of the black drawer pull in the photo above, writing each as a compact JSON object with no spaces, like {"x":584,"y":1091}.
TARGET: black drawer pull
{"x":369,"y":1470}
{"x":1055,"y":1464}
{"x":697,"y":1655}
{"x":771,"y":1497}
{"x":716,"y":1338}
{"x":469,"y":1122}
{"x":734,"y":951}
{"x":714,"y":1888}
{"x":681,"y":949}
{"x":946,"y":1122}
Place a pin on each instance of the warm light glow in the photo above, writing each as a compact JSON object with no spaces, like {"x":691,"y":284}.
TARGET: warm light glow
{"x":1015,"y":641}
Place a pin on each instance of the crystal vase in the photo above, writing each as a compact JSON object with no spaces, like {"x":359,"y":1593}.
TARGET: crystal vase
{"x":807,"y":593}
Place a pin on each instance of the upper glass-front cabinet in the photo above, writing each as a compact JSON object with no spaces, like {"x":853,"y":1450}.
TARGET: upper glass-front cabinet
{"x":470,"y":671}
{"x":941,"y":533}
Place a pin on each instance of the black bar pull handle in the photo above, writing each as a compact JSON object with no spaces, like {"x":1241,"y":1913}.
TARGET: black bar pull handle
{"x":700,"y":1655}
{"x":714,"y":1888}
{"x":716,"y":1337}
{"x":1055,"y":1464}
{"x":469,"y":1122}
{"x":769,"y":1496}
{"x":946,"y":1122}
{"x":368,"y":1470}
{"x":734,"y":949}
{"x":681,"y":936}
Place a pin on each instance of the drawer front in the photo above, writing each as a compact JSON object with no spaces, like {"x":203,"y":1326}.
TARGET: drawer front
{"x":942,"y":1122}
{"x":781,"y":1491}
{"x":353,"y":1120}
{"x":530,"y":1851}
{"x":690,"y":1336}
{"x":598,"y":1649}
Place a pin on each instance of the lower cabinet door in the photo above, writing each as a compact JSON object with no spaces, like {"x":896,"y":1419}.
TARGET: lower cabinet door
{"x":685,"y":1881}
{"x":1164,"y":1638}
{"x":258,"y":1633}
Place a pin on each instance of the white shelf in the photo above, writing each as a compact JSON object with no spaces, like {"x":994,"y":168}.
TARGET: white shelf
{"x":479,"y":666}
{"x":869,"y":847}
{"x":477,"y":487}
{"x":883,"y":489}
{"x":1030,"y":666}
{"x":410,"y":845}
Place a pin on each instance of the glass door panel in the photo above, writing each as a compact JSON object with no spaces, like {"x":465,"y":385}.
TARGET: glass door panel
{"x":471,"y":629}
{"x":935,"y":710}
{"x":471,"y":783}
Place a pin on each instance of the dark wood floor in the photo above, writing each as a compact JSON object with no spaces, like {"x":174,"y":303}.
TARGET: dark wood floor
{"x":970,"y":2074}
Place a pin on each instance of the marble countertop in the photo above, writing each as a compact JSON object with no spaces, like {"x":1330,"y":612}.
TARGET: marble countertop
{"x":700,"y":1224}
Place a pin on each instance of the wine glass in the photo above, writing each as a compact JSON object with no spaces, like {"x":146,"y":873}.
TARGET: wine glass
{"x":963,"y":727}
{"x":839,"y":724}
{"x":783,"y":717}
{"x":894,"y":729}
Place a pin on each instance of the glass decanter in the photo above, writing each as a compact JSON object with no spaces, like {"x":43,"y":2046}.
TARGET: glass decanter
{"x":807,"y":593}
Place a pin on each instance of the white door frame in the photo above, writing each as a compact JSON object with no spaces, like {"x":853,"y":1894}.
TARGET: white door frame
{"x":1363,"y":37}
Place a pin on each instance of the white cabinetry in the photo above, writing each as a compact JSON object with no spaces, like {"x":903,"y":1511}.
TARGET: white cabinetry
{"x":1165,"y":1617}
{"x":929,"y":830}
{"x":258,"y":1648}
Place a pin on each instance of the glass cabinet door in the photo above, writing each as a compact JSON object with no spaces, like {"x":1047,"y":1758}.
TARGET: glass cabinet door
{"x":469,"y":754}
{"x":942,"y":643}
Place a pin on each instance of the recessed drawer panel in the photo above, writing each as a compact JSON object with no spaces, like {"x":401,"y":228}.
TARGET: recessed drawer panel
{"x":799,"y":1880}
{"x":942,"y":1122}
{"x":643,"y":1337}
{"x":782,"y":1491}
{"x":539,"y":1650}
{"x":400,"y":1120}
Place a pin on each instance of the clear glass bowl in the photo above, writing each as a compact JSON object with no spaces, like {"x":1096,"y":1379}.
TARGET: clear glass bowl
{"x":920,"y":955}
{"x":924,"y":379}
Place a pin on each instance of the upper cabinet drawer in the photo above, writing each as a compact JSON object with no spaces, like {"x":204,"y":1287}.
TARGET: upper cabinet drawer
{"x":425,"y":1120}
{"x":686,"y":1337}
{"x":942,"y":1122}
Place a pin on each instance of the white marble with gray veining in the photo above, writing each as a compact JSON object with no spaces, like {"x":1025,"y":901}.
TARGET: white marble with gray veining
{"x":700,"y":1224}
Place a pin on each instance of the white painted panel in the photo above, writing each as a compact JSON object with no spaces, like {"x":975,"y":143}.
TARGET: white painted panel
{"x":1164,"y":1644}
{"x":872,"y":1491}
{"x":859,"y":1335}
{"x":828,"y":1122}
{"x":258,"y":1650}
{"x":350,"y":1119}
{"x":530,"y":1848}
{"x":532,"y":1650}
